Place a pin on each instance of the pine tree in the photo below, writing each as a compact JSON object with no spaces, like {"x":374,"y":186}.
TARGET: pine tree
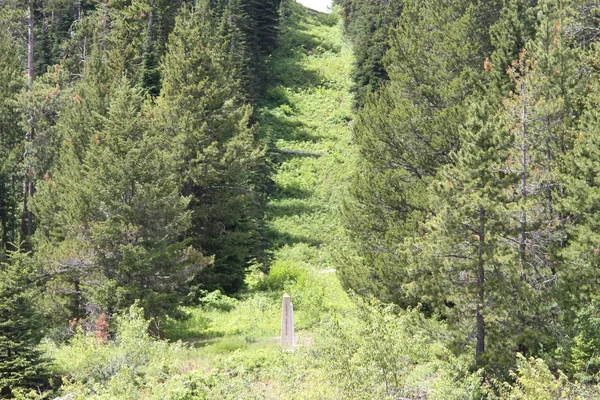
{"x":405,"y":134}
{"x":21,"y":365}
{"x":515,"y":27}
{"x":542,"y":114}
{"x":11,"y":83}
{"x":200,"y":112}
{"x":509,"y":177}
{"x":112,"y":219}
{"x":581,"y":254}
{"x":462,"y":250}
{"x":368,"y":24}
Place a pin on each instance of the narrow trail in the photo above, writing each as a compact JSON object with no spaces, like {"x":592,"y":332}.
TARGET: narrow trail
{"x":306,"y":119}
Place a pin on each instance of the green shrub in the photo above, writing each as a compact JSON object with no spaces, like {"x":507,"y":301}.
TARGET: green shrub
{"x":281,"y":274}
{"x":387,"y":353}
{"x":308,"y":297}
{"x":584,"y":357}
{"x":119,"y":368}
{"x":218,"y":301}
{"x":533,"y":380}
{"x":191,"y":327}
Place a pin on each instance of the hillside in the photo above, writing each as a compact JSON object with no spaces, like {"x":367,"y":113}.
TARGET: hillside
{"x":229,"y":347}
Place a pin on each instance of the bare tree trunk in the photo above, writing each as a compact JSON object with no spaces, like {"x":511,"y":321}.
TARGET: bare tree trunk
{"x":30,"y":43}
{"x":149,"y":39}
{"x":480,"y":345}
{"x":26,"y":215}
{"x":524,"y":176}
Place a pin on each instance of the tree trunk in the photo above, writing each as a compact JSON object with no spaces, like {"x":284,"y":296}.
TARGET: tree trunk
{"x":524,"y":175}
{"x":480,"y":345}
{"x":26,"y":215}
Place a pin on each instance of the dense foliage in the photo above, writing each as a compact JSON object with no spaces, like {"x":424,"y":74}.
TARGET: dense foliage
{"x":129,"y":161}
{"x":368,"y":25}
{"x":469,"y":198}
{"x":420,"y":177}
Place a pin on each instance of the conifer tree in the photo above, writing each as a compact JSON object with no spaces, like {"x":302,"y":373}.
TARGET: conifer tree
{"x":21,"y":366}
{"x":509,"y":35}
{"x":249,"y":32}
{"x":542,"y":114}
{"x":581,"y":255}
{"x":233,"y":30}
{"x":11,"y":137}
{"x":112,"y":219}
{"x":368,"y":24}
{"x":509,"y":176}
{"x":405,"y":134}
{"x":462,"y":249}
{"x":200,"y":113}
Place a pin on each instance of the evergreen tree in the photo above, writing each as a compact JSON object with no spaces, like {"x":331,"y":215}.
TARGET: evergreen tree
{"x":200,"y":113}
{"x":462,"y":249}
{"x":249,"y":31}
{"x":21,"y":365}
{"x":494,"y":244}
{"x":542,"y":114}
{"x":234,"y":27}
{"x":509,"y":35}
{"x":368,"y":24}
{"x":112,"y":219}
{"x":405,"y":134}
{"x":582,"y":252}
{"x":11,"y":137}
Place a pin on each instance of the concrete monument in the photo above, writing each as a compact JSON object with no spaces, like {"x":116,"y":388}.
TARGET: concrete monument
{"x":288,"y":340}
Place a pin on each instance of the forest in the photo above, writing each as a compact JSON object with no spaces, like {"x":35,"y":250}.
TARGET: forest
{"x":421,"y":177}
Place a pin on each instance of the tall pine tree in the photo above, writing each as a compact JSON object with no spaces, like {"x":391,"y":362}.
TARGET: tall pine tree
{"x":201,"y":114}
{"x":405,"y":133}
{"x":112,"y":218}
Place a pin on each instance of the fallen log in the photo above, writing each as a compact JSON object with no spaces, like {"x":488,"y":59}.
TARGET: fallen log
{"x":297,"y":153}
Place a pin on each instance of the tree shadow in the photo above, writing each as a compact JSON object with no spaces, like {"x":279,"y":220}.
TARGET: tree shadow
{"x":289,"y":208}
{"x":289,"y":76}
{"x":275,"y":125}
{"x":282,"y":239}
{"x":292,"y":191}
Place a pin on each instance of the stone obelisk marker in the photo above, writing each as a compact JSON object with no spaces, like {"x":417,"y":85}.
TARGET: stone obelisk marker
{"x":287,"y":324}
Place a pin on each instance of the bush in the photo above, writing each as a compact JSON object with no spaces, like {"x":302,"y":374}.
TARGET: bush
{"x":281,"y":274}
{"x":378,"y":352}
{"x":218,"y":301}
{"x":584,"y":360}
{"x":120,"y":368}
{"x":534,"y":381}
